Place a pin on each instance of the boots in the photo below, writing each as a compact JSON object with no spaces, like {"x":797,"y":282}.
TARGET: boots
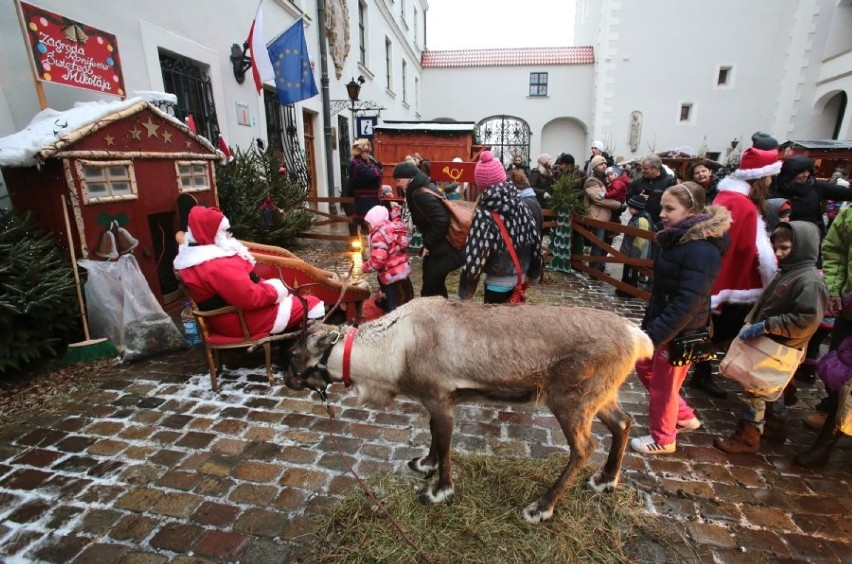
{"x":806,"y":372}
{"x":745,"y":439}
{"x":790,"y":397}
{"x":703,"y":380}
{"x":817,"y":457}
{"x":774,"y":428}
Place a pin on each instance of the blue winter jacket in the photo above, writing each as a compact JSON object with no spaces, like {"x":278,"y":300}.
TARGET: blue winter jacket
{"x":684,"y":273}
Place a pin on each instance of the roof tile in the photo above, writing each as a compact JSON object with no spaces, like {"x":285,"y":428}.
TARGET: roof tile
{"x":578,"y":55}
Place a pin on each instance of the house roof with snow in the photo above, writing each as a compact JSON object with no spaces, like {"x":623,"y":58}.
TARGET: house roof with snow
{"x":52,"y":131}
{"x":582,"y":55}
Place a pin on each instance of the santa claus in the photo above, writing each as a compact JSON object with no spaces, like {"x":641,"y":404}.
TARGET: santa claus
{"x":218,"y":270}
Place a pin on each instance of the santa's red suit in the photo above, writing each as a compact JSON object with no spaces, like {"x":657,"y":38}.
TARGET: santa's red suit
{"x":749,"y":263}
{"x":217,"y":268}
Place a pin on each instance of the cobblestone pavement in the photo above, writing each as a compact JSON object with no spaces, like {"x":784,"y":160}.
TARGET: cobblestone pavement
{"x":151,"y":466}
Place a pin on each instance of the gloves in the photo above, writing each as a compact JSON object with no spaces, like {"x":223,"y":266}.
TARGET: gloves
{"x":753,"y":331}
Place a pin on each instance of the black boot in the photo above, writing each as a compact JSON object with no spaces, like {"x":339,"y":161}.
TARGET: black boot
{"x":703,"y":380}
{"x":817,"y":457}
{"x":806,"y":372}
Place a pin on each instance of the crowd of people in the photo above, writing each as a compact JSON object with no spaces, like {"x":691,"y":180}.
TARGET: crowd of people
{"x":736,"y":257}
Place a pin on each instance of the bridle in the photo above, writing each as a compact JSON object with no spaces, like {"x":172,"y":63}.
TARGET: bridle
{"x":321,"y":367}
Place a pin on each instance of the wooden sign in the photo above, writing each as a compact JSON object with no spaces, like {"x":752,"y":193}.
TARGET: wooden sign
{"x":448,"y":171}
{"x":68,"y":52}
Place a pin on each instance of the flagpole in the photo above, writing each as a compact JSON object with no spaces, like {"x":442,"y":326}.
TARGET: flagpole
{"x":326,"y":103}
{"x":39,"y":88}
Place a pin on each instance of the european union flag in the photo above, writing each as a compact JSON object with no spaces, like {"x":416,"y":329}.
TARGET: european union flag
{"x":294,"y":77}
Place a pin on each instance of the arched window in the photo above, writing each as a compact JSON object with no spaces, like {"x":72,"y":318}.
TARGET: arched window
{"x":507,"y":136}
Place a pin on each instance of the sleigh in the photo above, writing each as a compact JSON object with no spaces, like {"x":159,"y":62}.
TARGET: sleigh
{"x":306,"y":279}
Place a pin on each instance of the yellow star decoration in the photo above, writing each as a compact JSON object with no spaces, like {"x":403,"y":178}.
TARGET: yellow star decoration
{"x":135,"y":133}
{"x":152,"y":128}
{"x":109,"y":139}
{"x":188,"y":143}
{"x":167,"y":137}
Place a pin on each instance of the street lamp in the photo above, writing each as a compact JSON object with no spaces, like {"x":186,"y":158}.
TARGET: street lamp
{"x":353,"y":90}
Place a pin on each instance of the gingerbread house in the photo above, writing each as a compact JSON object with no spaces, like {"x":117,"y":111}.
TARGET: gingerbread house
{"x":119,"y":164}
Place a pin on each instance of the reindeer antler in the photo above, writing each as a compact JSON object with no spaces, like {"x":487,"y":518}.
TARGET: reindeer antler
{"x":344,"y":278}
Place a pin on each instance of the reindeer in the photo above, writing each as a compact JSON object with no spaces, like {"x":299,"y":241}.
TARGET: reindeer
{"x":439,"y":352}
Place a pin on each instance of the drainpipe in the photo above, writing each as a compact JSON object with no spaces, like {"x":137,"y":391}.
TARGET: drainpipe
{"x":326,"y":103}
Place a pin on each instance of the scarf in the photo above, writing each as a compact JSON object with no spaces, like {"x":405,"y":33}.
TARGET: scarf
{"x":485,"y":236}
{"x":672,"y":235}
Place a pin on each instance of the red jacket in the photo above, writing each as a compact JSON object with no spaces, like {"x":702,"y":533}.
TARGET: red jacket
{"x":617,"y":189}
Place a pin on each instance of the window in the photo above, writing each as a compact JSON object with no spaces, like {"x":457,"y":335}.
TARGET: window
{"x":724,"y":75}
{"x":415,"y":27}
{"x":404,"y":80}
{"x":106,"y":181}
{"x":538,"y":84}
{"x":388,"y":66}
{"x":274,"y":123}
{"x":685,"y":112}
{"x":416,"y":94}
{"x":362,"y":35}
{"x":193,"y":176}
{"x":191,"y":84}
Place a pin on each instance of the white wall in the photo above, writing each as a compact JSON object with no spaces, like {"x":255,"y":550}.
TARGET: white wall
{"x":654,"y":55}
{"x":475,"y":93}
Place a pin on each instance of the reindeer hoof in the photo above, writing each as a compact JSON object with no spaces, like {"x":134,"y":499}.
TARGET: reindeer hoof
{"x":534,"y":514}
{"x":598,"y":484}
{"x":417,"y":464}
{"x":429,"y":496}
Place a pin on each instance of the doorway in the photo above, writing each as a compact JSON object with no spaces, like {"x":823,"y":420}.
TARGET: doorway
{"x":310,"y":154}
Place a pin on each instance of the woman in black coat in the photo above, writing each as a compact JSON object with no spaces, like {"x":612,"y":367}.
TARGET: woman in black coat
{"x":796,"y":183}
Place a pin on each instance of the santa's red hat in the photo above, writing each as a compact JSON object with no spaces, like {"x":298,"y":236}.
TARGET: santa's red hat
{"x":204,"y":223}
{"x":757,"y":163}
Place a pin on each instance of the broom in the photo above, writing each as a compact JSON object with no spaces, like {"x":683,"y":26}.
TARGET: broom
{"x":90,"y":349}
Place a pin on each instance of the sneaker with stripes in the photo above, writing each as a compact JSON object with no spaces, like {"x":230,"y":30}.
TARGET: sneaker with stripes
{"x":647,"y":445}
{"x":688,"y":424}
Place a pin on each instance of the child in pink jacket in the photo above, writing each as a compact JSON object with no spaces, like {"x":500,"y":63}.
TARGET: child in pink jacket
{"x":389,"y":238}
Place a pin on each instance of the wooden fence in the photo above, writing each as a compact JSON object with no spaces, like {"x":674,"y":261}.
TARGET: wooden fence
{"x":581,"y":226}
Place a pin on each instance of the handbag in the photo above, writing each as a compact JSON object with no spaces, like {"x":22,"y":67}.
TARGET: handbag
{"x":461,"y":218}
{"x":761,"y":366}
{"x":697,"y":347}
{"x":519,"y":293}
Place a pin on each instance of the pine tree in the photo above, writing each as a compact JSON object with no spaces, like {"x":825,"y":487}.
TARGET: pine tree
{"x":243,"y":186}
{"x":38,"y":305}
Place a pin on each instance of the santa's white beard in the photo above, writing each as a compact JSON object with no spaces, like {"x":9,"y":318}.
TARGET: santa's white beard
{"x":225,"y":241}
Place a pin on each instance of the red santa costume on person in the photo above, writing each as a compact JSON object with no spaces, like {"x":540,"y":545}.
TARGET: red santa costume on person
{"x":749,"y":263}
{"x":217,"y":270}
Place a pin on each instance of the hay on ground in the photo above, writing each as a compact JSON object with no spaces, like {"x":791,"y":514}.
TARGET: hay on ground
{"x":485,"y":523}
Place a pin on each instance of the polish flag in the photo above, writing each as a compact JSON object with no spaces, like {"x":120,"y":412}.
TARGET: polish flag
{"x":261,"y":65}
{"x":225,"y":150}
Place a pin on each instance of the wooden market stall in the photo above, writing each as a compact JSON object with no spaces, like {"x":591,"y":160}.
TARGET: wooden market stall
{"x":118,"y":165}
{"x":828,"y":154}
{"x":435,"y":141}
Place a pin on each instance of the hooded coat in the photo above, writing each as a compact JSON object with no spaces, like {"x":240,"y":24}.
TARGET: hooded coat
{"x":806,"y":197}
{"x":684,"y":272}
{"x":794,"y":302}
{"x":389,"y":239}
{"x":837,"y":257}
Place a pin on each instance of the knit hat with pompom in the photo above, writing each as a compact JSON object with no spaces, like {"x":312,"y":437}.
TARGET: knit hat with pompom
{"x":489,"y":171}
